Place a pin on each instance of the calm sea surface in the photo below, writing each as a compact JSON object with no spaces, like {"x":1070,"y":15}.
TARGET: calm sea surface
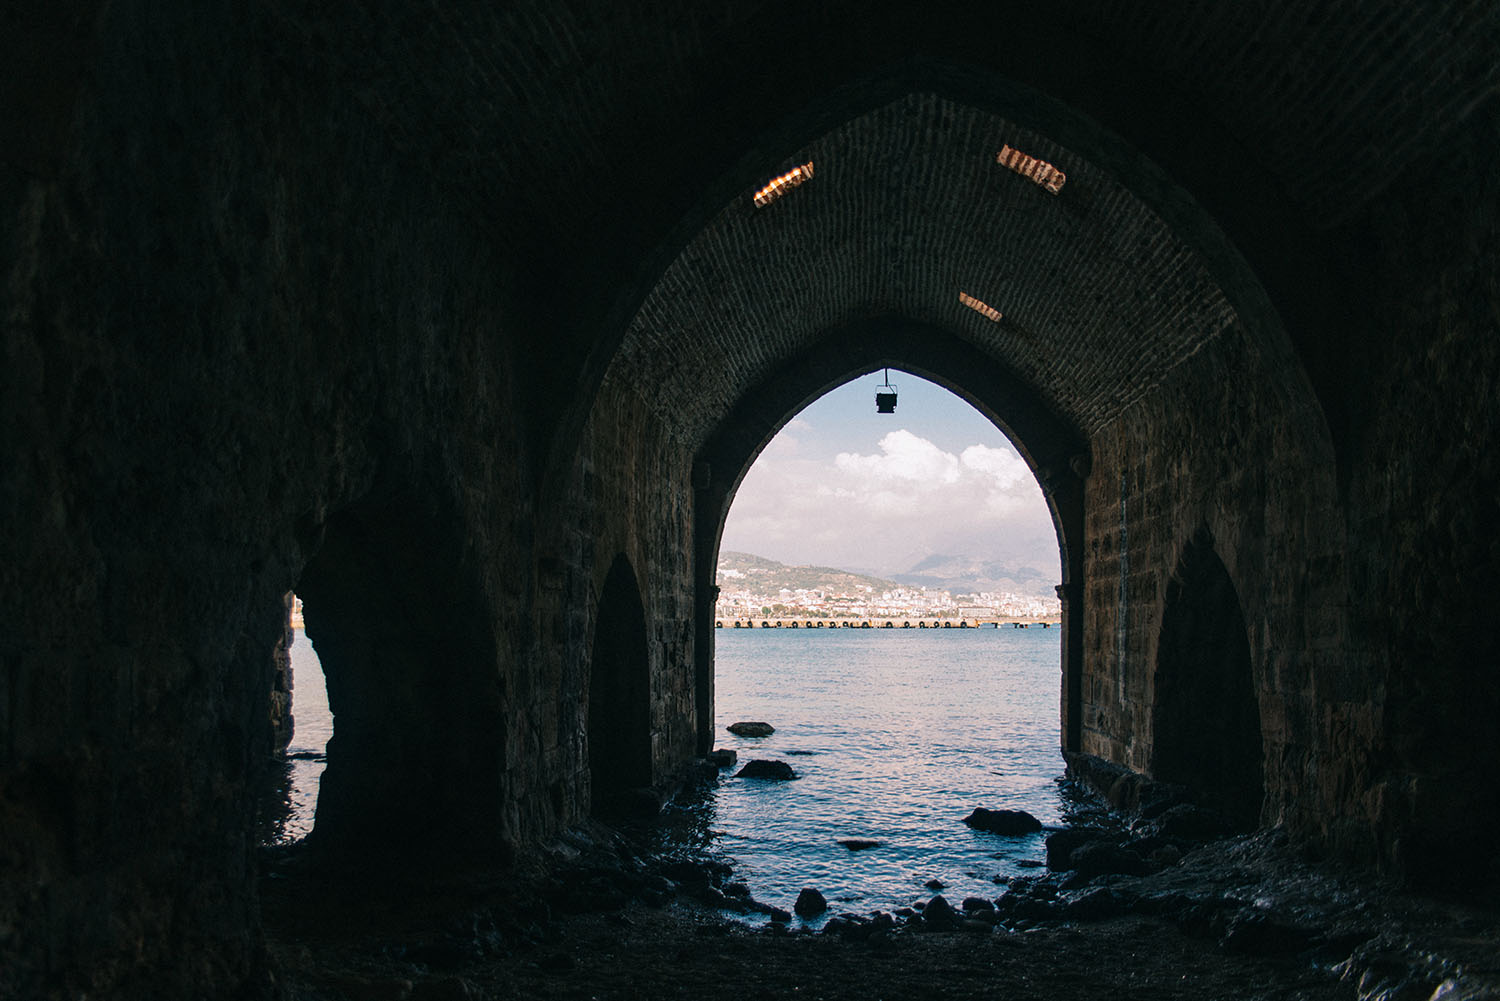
{"x":895,"y":736}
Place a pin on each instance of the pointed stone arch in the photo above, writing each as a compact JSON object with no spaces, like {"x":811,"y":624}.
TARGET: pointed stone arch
{"x":619,"y":705}
{"x":1206,"y":717}
{"x":1052,"y":446}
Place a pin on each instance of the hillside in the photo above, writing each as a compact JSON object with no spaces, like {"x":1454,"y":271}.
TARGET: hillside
{"x":767,"y":576}
{"x":962,"y":575}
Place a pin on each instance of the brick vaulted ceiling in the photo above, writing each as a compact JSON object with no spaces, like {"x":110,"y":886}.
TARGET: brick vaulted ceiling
{"x":907,"y":208}
{"x":595,"y":140}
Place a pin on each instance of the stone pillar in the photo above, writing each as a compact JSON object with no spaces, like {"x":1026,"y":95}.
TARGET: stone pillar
{"x":1071,"y":596}
{"x":280,"y":708}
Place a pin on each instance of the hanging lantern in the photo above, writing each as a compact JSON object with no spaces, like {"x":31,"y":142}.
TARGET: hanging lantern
{"x":885,"y":396}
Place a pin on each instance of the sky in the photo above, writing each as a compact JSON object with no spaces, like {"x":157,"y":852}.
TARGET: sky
{"x":843,"y":486}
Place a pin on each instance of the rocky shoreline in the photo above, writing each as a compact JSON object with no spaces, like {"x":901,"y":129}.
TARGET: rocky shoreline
{"x":1162,"y":899}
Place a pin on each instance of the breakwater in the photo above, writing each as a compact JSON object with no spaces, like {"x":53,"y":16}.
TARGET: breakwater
{"x":884,"y":623}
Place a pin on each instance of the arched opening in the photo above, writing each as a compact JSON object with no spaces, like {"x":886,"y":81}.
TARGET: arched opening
{"x":302,"y":724}
{"x":1206,"y":716}
{"x":1053,"y":449}
{"x":415,"y":756}
{"x":872,"y":524}
{"x":619,"y":729}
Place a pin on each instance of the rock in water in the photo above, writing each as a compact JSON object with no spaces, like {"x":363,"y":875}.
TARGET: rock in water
{"x":723,"y":757}
{"x":761,"y":768}
{"x":750,"y":728}
{"x":1062,"y":844}
{"x":939,"y":913}
{"x":859,"y":844}
{"x":810,"y":903}
{"x":1011,"y":822}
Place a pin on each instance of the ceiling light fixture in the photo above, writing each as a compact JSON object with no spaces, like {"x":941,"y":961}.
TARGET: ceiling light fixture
{"x":781,"y":185}
{"x":989,"y":312}
{"x":1040,"y":171}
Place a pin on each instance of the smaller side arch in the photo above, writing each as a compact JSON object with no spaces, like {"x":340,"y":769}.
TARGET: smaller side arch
{"x":619,"y":724}
{"x":1206,"y":716}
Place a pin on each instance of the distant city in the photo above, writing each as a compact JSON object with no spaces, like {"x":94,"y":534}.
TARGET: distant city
{"x":752,"y":587}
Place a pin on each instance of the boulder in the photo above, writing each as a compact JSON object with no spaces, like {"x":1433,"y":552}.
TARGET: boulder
{"x":762,"y":768}
{"x":1062,"y":844}
{"x":1094,"y":905}
{"x":939,"y":913}
{"x":723,"y":757}
{"x":810,"y":903}
{"x":1263,"y":935}
{"x":859,"y":844}
{"x":1193,"y":823}
{"x":1008,"y":822}
{"x":1101,"y":858}
{"x":751,"y":728}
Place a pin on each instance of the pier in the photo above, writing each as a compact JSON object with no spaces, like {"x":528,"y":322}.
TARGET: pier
{"x":884,"y":623}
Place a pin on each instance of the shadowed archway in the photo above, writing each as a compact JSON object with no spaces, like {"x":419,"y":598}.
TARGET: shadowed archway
{"x":1054,"y":450}
{"x":1206,"y":717}
{"x":619,"y":727}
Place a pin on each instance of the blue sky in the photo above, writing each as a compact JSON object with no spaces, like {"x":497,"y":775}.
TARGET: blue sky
{"x":844,"y":486}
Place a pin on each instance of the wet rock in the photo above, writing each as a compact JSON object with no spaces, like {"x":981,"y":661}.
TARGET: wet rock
{"x":1062,"y":844}
{"x":1262,"y":935}
{"x":1008,"y":822}
{"x":972,"y":904}
{"x":1193,"y":823}
{"x":692,"y":872}
{"x":714,"y":897}
{"x":737,"y":890}
{"x":1102,"y":858}
{"x":1167,"y":856}
{"x":779,"y":916}
{"x":371,"y":989}
{"x":697,"y":773}
{"x":935,"y":884}
{"x":939,"y":913}
{"x":658,"y":883}
{"x":1094,"y":905}
{"x":723,"y":757}
{"x":444,"y":953}
{"x":642,"y":803}
{"x":751,"y":728}
{"x":859,"y":844}
{"x":851,"y":927}
{"x":763,"y":768}
{"x":1159,"y":797}
{"x":810,"y":903}
{"x":449,"y":989}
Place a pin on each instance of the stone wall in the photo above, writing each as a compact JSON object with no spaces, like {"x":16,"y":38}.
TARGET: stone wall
{"x":1422,"y":482}
{"x":1230,"y":445}
{"x":302,"y":297}
{"x":232,"y":317}
{"x":627,"y":494}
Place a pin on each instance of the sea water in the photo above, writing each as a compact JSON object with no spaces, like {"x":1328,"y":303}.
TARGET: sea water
{"x":895,"y":736}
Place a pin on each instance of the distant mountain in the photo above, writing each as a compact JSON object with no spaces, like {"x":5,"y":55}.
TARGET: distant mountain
{"x":962,"y":575}
{"x":768,"y":576}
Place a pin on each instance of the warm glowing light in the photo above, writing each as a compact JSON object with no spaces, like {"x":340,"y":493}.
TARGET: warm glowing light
{"x":1040,"y":171}
{"x":989,"y":312}
{"x":781,"y":185}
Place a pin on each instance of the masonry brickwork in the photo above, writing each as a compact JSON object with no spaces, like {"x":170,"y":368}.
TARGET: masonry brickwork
{"x":435,"y":315}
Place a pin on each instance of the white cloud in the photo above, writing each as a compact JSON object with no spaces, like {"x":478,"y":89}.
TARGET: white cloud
{"x":887,"y":510}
